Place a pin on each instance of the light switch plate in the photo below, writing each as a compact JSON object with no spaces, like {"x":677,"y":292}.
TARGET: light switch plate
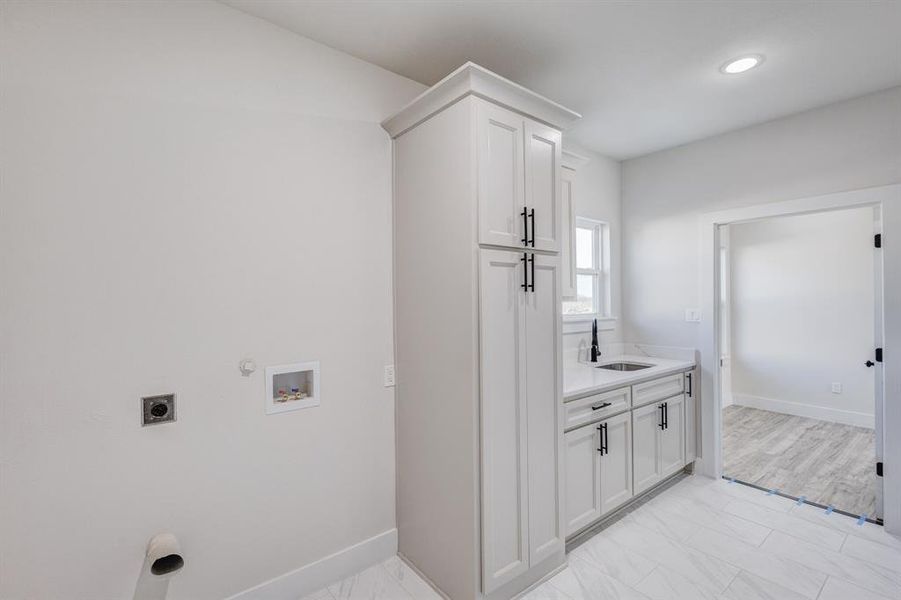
{"x":389,"y":375}
{"x":693,"y":315}
{"x":836,"y":388}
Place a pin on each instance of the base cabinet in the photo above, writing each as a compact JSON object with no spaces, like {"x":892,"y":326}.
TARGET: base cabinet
{"x":659,"y":430}
{"x":598,"y":470}
{"x":672,"y":436}
{"x":582,"y":474}
{"x":646,"y":423}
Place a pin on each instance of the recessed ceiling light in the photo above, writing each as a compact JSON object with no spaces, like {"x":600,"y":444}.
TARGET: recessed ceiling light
{"x":742,"y":64}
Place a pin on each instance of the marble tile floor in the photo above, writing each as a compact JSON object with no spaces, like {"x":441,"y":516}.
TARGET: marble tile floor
{"x":828,"y":463}
{"x":701,"y":539}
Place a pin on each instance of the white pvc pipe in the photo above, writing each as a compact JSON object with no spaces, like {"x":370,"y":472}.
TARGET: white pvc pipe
{"x":162,"y":561}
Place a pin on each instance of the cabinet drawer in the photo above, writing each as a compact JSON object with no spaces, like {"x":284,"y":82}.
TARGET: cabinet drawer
{"x":593,"y":408}
{"x":657,"y":389}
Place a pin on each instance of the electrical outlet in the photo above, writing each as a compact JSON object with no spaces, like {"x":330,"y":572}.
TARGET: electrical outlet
{"x":693,"y":315}
{"x":389,"y":375}
{"x":836,"y":388}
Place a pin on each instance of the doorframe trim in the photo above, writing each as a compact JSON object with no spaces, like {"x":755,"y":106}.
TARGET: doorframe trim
{"x":888,"y":199}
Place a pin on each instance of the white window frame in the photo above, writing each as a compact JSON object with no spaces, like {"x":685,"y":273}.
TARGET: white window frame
{"x":602,"y":287}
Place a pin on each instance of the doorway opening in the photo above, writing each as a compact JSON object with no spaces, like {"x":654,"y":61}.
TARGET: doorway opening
{"x":800,"y":318}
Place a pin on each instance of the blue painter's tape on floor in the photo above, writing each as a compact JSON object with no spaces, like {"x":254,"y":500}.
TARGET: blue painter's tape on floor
{"x":861,"y":519}
{"x":732,"y":480}
{"x":829,"y":509}
{"x":771,"y":492}
{"x":801,"y":500}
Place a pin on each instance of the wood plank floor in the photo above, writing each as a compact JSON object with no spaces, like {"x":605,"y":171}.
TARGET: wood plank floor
{"x":828,"y":463}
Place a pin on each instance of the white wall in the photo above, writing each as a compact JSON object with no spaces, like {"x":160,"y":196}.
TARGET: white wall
{"x":183,"y":186}
{"x":598,"y":193}
{"x":803,"y":314}
{"x":844,"y":146}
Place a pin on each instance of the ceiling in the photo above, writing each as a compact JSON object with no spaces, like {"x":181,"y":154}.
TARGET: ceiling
{"x":644,"y":74}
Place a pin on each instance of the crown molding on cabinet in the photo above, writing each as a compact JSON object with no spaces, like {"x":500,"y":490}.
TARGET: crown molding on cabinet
{"x":471,"y":79}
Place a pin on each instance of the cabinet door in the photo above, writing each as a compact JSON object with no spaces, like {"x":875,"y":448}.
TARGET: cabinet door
{"x":501,"y":179}
{"x":645,"y":447}
{"x":568,"y":233}
{"x":582,"y":476}
{"x":544,"y":408}
{"x":543,"y":185}
{"x":692,"y":385}
{"x":672,"y":439}
{"x":505,"y":524}
{"x":616,"y":462}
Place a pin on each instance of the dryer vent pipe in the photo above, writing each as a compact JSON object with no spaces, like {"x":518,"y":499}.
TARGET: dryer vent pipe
{"x":162,"y":561}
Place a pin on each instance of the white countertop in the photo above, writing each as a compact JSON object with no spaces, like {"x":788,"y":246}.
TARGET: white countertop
{"x":582,"y":379}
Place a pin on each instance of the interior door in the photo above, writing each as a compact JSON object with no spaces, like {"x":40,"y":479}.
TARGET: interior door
{"x":582,"y":476}
{"x":544,"y":407}
{"x":543,"y":186}
{"x":505,"y":525}
{"x":645,"y":447}
{"x":616,"y":462}
{"x":501,"y":179}
{"x":672,"y":437}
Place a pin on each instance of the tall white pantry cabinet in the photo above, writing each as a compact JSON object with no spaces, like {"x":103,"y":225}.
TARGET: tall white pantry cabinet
{"x":477,"y":284}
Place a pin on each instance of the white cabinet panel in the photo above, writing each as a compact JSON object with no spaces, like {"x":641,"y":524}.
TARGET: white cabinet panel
{"x":692,"y":429}
{"x":646,"y":447}
{"x":616,"y":462}
{"x":504,"y":478}
{"x":583,"y":477}
{"x":501,"y":196}
{"x":543,"y":382}
{"x":657,"y":389}
{"x":672,"y":437}
{"x":568,"y":233}
{"x":591,"y":408}
{"x":543,"y":186}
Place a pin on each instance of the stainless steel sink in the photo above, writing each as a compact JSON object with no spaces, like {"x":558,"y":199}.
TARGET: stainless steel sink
{"x":624,"y":366}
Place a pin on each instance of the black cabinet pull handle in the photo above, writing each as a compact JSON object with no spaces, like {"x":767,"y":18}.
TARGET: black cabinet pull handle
{"x":600,"y":406}
{"x":690,"y":395}
{"x":869,"y":363}
{"x":525,"y":271}
{"x":525,"y":226}
{"x":532,"y":217}
{"x":666,"y":415}
{"x":661,"y":417}
{"x":602,"y":438}
{"x":532,"y":279}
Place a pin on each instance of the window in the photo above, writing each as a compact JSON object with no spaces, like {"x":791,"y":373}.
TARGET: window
{"x":592,"y":271}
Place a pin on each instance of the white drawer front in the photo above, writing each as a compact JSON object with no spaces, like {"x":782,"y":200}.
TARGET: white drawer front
{"x":592,"y":408}
{"x":657,"y":389}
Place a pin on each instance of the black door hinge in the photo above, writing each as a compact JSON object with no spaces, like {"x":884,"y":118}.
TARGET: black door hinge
{"x":878,"y":354}
{"x":878,"y":240}
{"x":879,"y":469}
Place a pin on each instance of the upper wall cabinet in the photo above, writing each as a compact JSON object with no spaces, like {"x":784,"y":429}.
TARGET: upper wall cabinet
{"x":569,"y":190}
{"x":502,"y":216}
{"x":519,"y":180}
{"x":568,"y":233}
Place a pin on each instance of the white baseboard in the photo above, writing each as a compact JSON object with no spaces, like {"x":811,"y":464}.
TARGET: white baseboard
{"x":846,"y":417}
{"x":325,"y":571}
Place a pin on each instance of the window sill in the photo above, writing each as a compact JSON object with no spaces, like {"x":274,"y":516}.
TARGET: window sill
{"x":582,"y":323}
